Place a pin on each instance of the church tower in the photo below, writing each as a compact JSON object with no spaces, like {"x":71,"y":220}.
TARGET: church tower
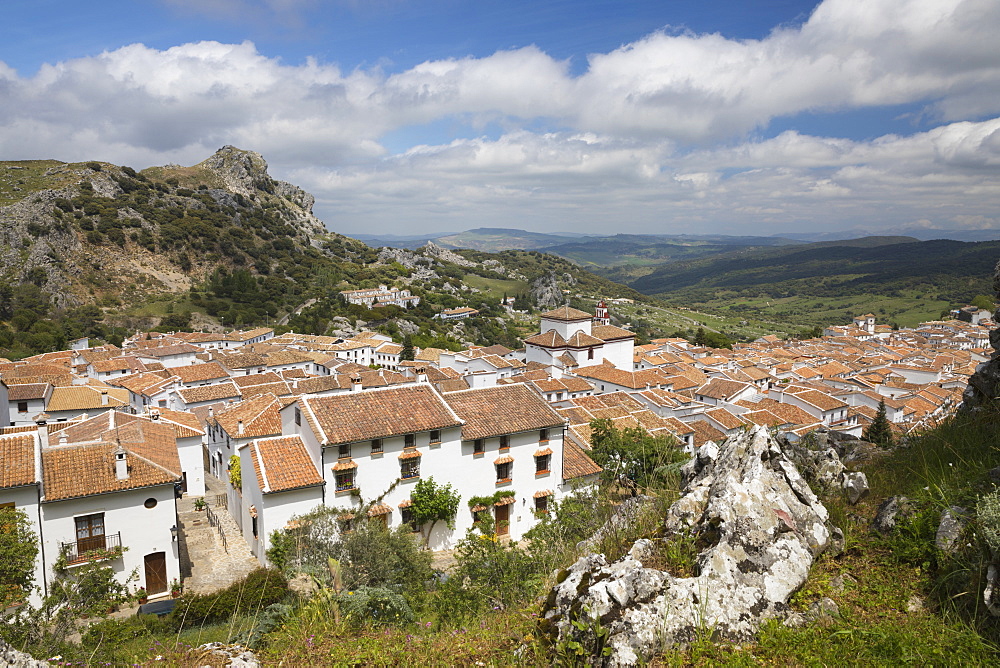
{"x":601,"y":316}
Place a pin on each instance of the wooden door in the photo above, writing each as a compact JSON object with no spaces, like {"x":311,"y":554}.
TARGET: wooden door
{"x":90,"y":533}
{"x":156,"y":572}
{"x":503,"y":520}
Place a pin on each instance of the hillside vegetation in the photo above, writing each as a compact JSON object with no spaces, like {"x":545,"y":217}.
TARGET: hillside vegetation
{"x":94,"y":249}
{"x":827,"y":283}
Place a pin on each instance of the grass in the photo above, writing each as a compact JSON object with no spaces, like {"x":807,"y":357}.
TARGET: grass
{"x":496,"y":287}
{"x":20,"y":178}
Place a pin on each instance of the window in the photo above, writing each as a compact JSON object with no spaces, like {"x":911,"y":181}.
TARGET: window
{"x":409,"y":468}
{"x":344,"y":451}
{"x":503,"y":471}
{"x":22,"y":407}
{"x":478,"y":446}
{"x":435,"y":436}
{"x":345,"y":480}
{"x":543,"y":435}
{"x":542,"y":463}
{"x":90,"y":533}
{"x":150,"y":503}
{"x":298,"y":417}
{"x":376,"y":445}
{"x":409,"y":441}
{"x":253,"y":521}
{"x":505,"y":442}
{"x":541,"y":504}
{"x":406,"y":515}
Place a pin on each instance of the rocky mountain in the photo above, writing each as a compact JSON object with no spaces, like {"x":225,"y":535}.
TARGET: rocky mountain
{"x":223,"y":243}
{"x":93,"y":231}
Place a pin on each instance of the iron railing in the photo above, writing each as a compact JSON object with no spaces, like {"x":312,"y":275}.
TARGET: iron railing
{"x":94,"y":548}
{"x":213,"y":520}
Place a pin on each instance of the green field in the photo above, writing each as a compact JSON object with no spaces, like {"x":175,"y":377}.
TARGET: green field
{"x":496,"y":287}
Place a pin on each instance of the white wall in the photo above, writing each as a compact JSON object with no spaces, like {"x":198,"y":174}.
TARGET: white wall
{"x":451,"y":462}
{"x":143,"y":530}
{"x":26,"y":499}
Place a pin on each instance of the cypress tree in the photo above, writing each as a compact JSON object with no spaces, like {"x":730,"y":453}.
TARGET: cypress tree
{"x":879,"y":431}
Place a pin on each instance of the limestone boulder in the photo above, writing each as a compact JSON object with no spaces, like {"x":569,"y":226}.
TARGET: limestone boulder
{"x":756,"y":527}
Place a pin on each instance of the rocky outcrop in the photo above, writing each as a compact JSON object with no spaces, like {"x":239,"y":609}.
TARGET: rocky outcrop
{"x":984,"y":384}
{"x":757,"y":528}
{"x":546,"y":291}
{"x":245,"y":172}
{"x":445,"y":255}
{"x":13,"y":659}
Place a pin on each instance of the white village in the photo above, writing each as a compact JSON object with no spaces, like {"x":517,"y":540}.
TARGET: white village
{"x":174,"y":458}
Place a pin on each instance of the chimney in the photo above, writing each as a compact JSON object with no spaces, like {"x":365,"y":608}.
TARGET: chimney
{"x":211,"y":412}
{"x":239,"y":427}
{"x":62,"y":438}
{"x":121,"y":463}
{"x":421,"y":374}
{"x":104,"y":397}
{"x":356,"y":384}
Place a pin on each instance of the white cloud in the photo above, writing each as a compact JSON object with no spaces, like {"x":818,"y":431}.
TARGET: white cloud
{"x":652,"y":134}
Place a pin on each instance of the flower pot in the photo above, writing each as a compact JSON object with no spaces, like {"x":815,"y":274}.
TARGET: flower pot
{"x":175,"y":594}
{"x":143,"y":600}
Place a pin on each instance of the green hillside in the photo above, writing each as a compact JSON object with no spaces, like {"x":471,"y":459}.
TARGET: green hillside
{"x":902,"y":282}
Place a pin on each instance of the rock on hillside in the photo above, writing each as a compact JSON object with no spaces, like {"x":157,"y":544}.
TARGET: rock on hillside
{"x":85,"y":231}
{"x":245,"y":172}
{"x":757,"y":527}
{"x":984,"y":385}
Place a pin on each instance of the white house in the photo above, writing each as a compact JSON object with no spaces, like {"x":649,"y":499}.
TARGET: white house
{"x":569,"y":338}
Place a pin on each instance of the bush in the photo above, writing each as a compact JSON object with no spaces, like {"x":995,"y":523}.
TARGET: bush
{"x":377,"y":606}
{"x":258,"y":590}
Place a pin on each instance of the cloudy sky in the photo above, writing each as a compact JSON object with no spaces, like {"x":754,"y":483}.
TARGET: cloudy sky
{"x":594,"y":116}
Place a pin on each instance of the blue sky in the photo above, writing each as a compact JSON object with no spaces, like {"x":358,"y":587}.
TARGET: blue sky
{"x":410,"y":116}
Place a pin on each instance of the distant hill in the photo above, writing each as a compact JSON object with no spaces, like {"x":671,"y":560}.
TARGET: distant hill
{"x":826,"y":282}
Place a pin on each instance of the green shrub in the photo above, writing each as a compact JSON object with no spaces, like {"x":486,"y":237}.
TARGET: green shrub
{"x":375,"y":606}
{"x":258,"y":590}
{"x":988,"y":516}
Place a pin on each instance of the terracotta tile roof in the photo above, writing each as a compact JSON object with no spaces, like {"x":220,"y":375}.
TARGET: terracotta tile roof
{"x":283,"y":464}
{"x":168,"y":351}
{"x":429,"y":354}
{"x":319,"y":384}
{"x":576,"y":463}
{"x":27,"y":391}
{"x":259,"y":415}
{"x":71,"y":471}
{"x":504,"y":409}
{"x":582,"y":340}
{"x":452,"y":385}
{"x":725,"y":418}
{"x":283,"y":357}
{"x":217,"y":392}
{"x":185,"y":424}
{"x":17,"y":459}
{"x":277,"y":389}
{"x":196,"y":373}
{"x":611,"y":333}
{"x":377,"y":413}
{"x":379,"y":509}
{"x":704,"y":432}
{"x":85,"y":397}
{"x":549,"y":339}
{"x":241,"y":360}
{"x":631,"y":379}
{"x":719,"y":388}
{"x":256,"y":379}
{"x":567,"y":314}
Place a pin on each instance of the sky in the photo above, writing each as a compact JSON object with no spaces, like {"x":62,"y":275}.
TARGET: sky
{"x":599,"y":117}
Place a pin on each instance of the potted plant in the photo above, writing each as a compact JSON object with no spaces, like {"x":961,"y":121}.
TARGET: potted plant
{"x":199,"y":504}
{"x":141,"y":595}
{"x":175,"y":588}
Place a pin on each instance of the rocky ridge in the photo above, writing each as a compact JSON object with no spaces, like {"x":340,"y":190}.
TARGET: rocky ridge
{"x":758,"y":527}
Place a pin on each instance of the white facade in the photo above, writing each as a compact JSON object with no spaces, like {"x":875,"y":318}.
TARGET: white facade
{"x":144,"y":532}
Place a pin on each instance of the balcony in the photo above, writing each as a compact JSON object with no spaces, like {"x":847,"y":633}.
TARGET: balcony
{"x":96,"y":548}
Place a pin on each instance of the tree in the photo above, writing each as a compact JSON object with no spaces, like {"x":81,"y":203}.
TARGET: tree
{"x":18,"y":550}
{"x":879,"y":431}
{"x":631,"y":455}
{"x":407,"y":353}
{"x":984,"y":302}
{"x":434,"y":503}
